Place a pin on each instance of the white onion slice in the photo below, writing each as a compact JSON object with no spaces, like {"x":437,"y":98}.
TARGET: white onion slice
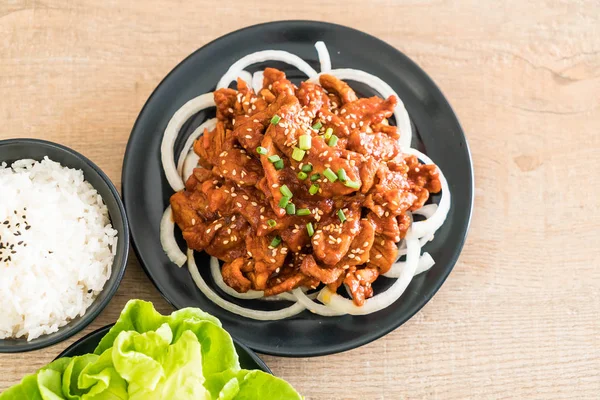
{"x":167,"y":239}
{"x":427,"y":210}
{"x":402,"y":119}
{"x":209,"y":124}
{"x":261,"y":315}
{"x":430,"y":225}
{"x":288,"y":296}
{"x":257,"y":81}
{"x":245,"y":76}
{"x":382,"y":300}
{"x":324,"y":58}
{"x":314,"y":307}
{"x":261,"y":56}
{"x":422,"y":242}
{"x":190,"y":108}
{"x":425,"y":262}
{"x":285,"y":296}
{"x":189,"y":164}
{"x":215,"y":270}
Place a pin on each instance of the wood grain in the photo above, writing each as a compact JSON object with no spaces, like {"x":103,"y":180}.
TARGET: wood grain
{"x":520,"y":315}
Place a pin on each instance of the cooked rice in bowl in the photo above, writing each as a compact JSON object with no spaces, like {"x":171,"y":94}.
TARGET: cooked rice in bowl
{"x":57,"y":247}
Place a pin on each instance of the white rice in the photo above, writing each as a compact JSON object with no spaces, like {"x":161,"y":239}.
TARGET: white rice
{"x":52,"y":271}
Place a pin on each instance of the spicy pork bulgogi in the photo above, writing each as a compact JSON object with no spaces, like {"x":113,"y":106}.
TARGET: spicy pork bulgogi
{"x":301,"y":186}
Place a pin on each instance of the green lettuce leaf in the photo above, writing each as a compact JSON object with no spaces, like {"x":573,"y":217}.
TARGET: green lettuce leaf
{"x":260,"y":385}
{"x":102,"y":380}
{"x":148,"y":356}
{"x":43,"y":385}
{"x":218,"y":351}
{"x":155,"y":369}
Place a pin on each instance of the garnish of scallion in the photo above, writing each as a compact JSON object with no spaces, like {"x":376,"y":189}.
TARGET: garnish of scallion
{"x":298,"y":154}
{"x":286,"y":191}
{"x":341,"y":215}
{"x":304,"y":142}
{"x":329,"y":174}
{"x":275,"y":242}
{"x":275,"y":120}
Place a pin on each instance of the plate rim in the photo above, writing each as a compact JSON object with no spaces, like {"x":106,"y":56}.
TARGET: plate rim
{"x":368,"y":338}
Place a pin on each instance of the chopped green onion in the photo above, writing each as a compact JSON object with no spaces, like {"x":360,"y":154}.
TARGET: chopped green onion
{"x":274,"y":158}
{"x":315,"y":176}
{"x":275,"y":242}
{"x":306,"y":168}
{"x":302,"y":175}
{"x":304,"y":142}
{"x":302,"y":212}
{"x":310,"y":229}
{"x":314,"y":188}
{"x":332,"y":140}
{"x":261,"y":150}
{"x":298,"y":154}
{"x":275,"y":120}
{"x":278,"y":164}
{"x":284,"y":201}
{"x":342,"y":175}
{"x":352,"y":184}
{"x":329,"y":174}
{"x":341,"y":216}
{"x":286,"y":191}
{"x":271,"y":223}
{"x":290,"y":209}
{"x":328,"y":133}
{"x":317,"y":126}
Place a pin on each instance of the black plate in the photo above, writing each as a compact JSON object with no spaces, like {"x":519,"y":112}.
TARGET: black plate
{"x":87,"y":344}
{"x":438,"y":133}
{"x":17,"y":149}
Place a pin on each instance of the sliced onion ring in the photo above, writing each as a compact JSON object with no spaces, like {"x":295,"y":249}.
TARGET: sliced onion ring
{"x":215,"y":270}
{"x":261,"y":56}
{"x":430,"y":225}
{"x":385,"y":90}
{"x":425,"y":262}
{"x":261,"y":315}
{"x":402,"y":248}
{"x":209,"y":124}
{"x":245,"y":76}
{"x":257,"y":81}
{"x":189,"y":164}
{"x":190,"y":108}
{"x":323,"y":54}
{"x":381,"y":300}
{"x":427,"y":210}
{"x":167,"y":238}
{"x":314,"y":307}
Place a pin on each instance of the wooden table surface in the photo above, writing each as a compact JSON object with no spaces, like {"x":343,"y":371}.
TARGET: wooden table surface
{"x":519,"y":317}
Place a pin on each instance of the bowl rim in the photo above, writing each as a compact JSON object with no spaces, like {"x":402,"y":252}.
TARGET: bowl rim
{"x":90,"y":316}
